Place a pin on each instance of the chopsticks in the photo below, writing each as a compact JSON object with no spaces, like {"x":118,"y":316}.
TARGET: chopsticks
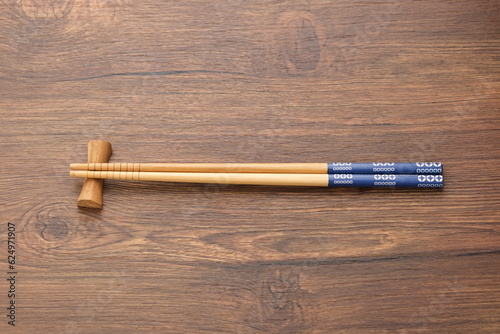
{"x":397,"y":175}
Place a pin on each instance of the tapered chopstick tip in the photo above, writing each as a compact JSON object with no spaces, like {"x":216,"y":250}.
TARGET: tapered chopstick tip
{"x":78,"y":166}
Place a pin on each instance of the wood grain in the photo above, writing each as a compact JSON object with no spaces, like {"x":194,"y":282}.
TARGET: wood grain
{"x":251,"y":81}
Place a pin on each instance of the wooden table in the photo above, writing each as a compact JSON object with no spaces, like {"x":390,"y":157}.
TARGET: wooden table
{"x":251,"y":81}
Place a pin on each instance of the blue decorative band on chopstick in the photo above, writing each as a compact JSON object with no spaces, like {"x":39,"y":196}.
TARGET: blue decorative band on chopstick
{"x":386,"y":168}
{"x":385,"y":180}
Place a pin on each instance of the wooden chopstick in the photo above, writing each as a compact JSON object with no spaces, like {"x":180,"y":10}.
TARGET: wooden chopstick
{"x":314,"y":180}
{"x":280,"y":168}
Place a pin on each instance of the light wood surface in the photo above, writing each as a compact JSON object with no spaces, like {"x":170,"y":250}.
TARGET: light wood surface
{"x":91,"y":193}
{"x":267,"y":179}
{"x":253,"y":81}
{"x":293,"y":168}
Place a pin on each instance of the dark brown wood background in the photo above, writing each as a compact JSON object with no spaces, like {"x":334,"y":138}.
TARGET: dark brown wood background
{"x":251,"y":81}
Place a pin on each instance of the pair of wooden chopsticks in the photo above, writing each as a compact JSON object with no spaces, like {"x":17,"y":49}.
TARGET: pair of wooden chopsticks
{"x":405,"y":175}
